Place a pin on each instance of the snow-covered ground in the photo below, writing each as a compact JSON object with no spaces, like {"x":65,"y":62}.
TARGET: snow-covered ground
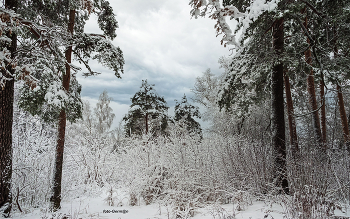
{"x":97,"y":208}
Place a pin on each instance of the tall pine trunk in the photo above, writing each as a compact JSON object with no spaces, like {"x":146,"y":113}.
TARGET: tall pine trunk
{"x":291,"y":120}
{"x":323,"y":113}
{"x":344,"y":121}
{"x":277,"y":111}
{"x":313,"y":100}
{"x":6,"y":119}
{"x":56,"y":197}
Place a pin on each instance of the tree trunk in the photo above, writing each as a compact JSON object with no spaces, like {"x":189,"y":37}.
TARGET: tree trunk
{"x":342,"y":112}
{"x":348,"y":121}
{"x":344,"y":121}
{"x":312,"y":98}
{"x":56,"y":197}
{"x":6,"y":119}
{"x":146,"y":120}
{"x":323,"y":114}
{"x":291,"y":120}
{"x":313,"y":103}
{"x":277,"y":114}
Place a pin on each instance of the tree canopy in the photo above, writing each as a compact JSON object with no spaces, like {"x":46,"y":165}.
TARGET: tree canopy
{"x":185,"y":112}
{"x":148,"y":112}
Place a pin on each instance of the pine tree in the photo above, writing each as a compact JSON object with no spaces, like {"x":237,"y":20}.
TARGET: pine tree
{"x":185,"y":113}
{"x":257,"y":60}
{"x":310,"y":40}
{"x":147,"y":113}
{"x":6,"y":119}
{"x":277,"y":110}
{"x":331,"y":28}
{"x":84,"y":46}
{"x":56,"y":196}
{"x":34,"y":54}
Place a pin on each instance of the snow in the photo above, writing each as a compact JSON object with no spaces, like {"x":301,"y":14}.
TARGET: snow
{"x":4,"y":39}
{"x":220,"y":13}
{"x":254,"y":11}
{"x":97,"y":207}
{"x":135,"y":107}
{"x":137,"y":167}
{"x":56,"y":95}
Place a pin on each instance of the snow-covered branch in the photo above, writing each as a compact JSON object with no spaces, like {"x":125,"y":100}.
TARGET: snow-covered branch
{"x":98,"y":47}
{"x":218,"y":12}
{"x":49,"y":40}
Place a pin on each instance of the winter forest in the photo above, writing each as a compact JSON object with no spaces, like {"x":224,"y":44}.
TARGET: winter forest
{"x":277,"y":144}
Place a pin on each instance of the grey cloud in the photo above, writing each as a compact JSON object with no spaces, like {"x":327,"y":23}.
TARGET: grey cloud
{"x":161,"y":43}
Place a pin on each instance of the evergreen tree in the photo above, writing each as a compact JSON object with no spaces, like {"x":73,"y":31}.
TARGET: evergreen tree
{"x":328,"y":22}
{"x":306,"y":37}
{"x":246,"y":83}
{"x":85,"y":45}
{"x":48,"y":21}
{"x":186,"y":112}
{"x":8,"y":48}
{"x":148,"y":112}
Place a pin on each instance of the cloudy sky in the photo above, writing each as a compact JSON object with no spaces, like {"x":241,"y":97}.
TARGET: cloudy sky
{"x":161,"y":43}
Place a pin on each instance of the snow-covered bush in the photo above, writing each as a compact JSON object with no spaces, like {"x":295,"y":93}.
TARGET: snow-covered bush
{"x":183,"y":173}
{"x":33,"y":153}
{"x":156,"y":183}
{"x":89,"y":163}
{"x":183,"y":203}
{"x":88,"y":166}
{"x":318,"y":187}
{"x":180,"y":171}
{"x":309,"y":203}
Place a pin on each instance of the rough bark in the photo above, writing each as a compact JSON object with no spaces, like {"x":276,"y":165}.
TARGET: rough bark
{"x":291,"y":120}
{"x":323,"y":114}
{"x":344,"y":121}
{"x":312,"y":98}
{"x":348,"y":121}
{"x":6,"y":119}
{"x":56,"y":196}
{"x":342,"y":112}
{"x":277,"y":114}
